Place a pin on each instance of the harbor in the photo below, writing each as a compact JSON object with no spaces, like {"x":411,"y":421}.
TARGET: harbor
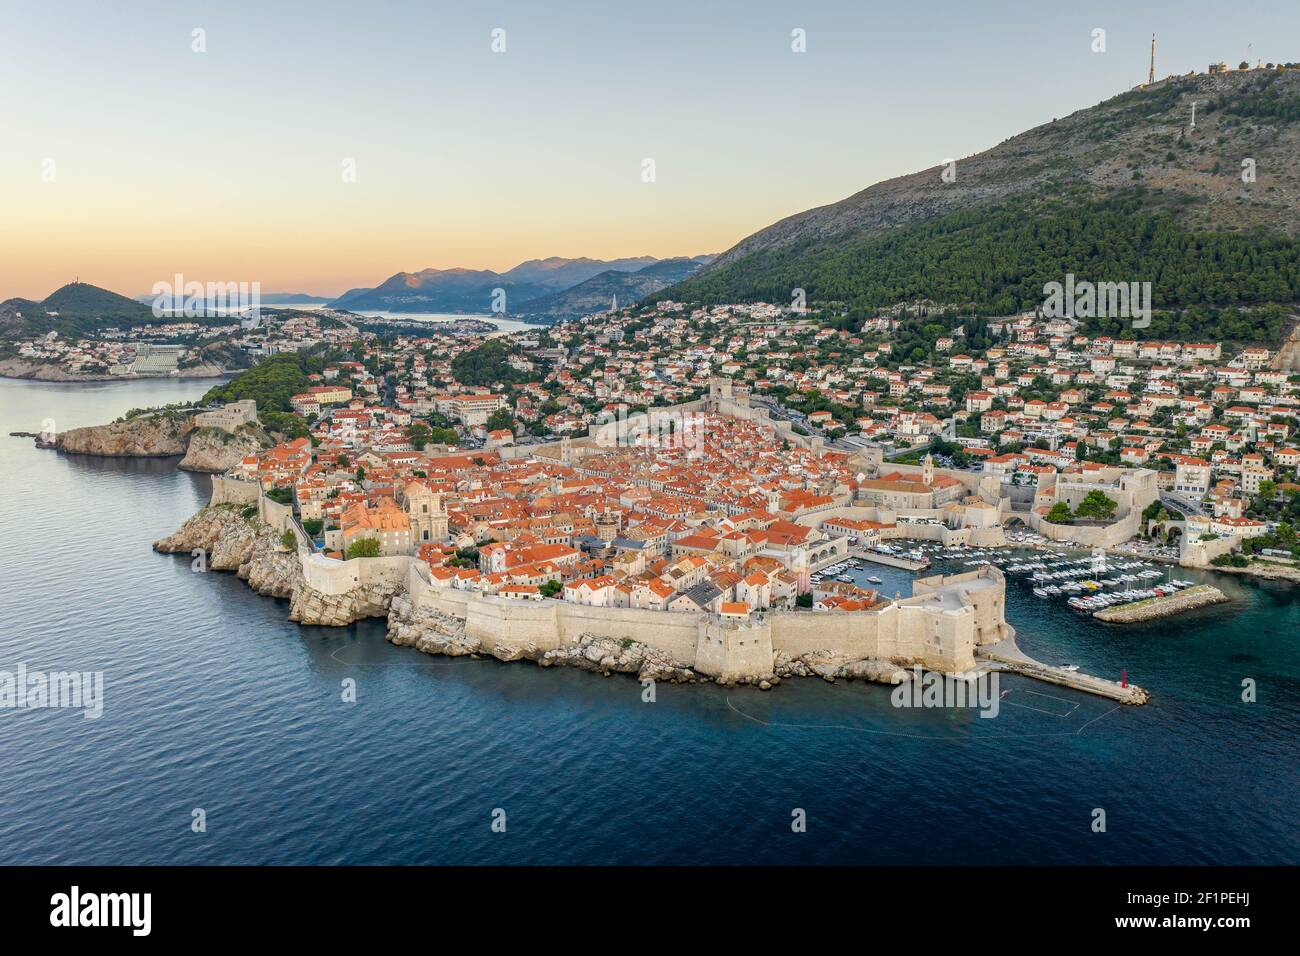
{"x":1089,"y":584}
{"x":908,"y":560}
{"x":1045,"y":581}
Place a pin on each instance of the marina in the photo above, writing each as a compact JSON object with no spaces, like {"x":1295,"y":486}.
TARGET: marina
{"x":1110,"y":587}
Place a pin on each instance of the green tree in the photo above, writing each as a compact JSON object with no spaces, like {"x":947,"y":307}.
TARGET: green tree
{"x":1060,"y":513}
{"x":419,"y":434}
{"x":363,"y":548}
{"x":1097,"y":506}
{"x":281,"y":495}
{"x":499,"y":419}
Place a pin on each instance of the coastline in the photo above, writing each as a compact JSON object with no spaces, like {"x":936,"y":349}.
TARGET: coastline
{"x":236,"y":537}
{"x":247,"y":535}
{"x":44,"y":372}
{"x":1264,"y":570}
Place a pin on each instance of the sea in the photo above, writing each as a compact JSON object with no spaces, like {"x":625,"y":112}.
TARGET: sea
{"x":230,"y":735}
{"x":503,"y":325}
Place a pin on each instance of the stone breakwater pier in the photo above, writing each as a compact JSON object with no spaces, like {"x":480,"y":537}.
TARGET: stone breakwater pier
{"x":942,"y":627}
{"x":1202,"y":595}
{"x":1006,"y":656}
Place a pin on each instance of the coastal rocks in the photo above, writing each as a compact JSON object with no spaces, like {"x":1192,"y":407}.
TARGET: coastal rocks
{"x":435,"y":632}
{"x":428,"y":630}
{"x":831,"y":667}
{"x":609,"y":656}
{"x":145,"y":436}
{"x":235,"y":539}
{"x":1268,"y":570}
{"x":46,"y":372}
{"x":54,"y":372}
{"x":215,"y":450}
{"x":309,"y":606}
{"x":208,"y":450}
{"x":227,"y":528}
{"x":276,"y":573}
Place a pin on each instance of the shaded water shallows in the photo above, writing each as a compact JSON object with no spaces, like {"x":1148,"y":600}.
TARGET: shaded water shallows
{"x":215,"y":701}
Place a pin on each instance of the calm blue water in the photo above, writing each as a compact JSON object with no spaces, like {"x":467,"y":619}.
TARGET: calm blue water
{"x":214,"y":700}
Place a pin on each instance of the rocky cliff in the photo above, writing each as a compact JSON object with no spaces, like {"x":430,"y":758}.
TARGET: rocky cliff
{"x":52,"y":372}
{"x":215,"y":451}
{"x":309,"y":606}
{"x":236,"y":539}
{"x":210,"y":450}
{"x":145,"y":436}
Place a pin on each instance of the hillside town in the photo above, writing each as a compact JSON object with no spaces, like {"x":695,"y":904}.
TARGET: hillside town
{"x":206,"y":348}
{"x":554,"y":482}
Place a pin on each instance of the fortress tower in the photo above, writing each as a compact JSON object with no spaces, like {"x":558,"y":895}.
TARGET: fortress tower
{"x":719,"y":390}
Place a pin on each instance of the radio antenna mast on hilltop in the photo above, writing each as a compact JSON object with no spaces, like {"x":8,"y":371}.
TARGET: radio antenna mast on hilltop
{"x":1151,"y":76}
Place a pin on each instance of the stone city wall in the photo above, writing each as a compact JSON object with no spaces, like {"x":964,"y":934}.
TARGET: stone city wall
{"x":1087,"y":536}
{"x":333,"y":577}
{"x":938,"y":633}
{"x":1199,"y":554}
{"x":227,"y":491}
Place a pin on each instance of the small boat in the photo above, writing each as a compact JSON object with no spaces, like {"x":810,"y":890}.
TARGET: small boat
{"x":873,"y":580}
{"x":1070,"y":667}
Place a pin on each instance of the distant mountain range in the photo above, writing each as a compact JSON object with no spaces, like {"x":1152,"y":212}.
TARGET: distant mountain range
{"x":601,"y":291}
{"x":536,"y":289}
{"x":267,"y":298}
{"x":541,"y":290}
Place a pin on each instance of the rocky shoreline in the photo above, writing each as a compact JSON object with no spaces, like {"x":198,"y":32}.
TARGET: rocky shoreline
{"x":154,"y":436}
{"x":236,"y":539}
{"x":214,"y":451}
{"x":48,"y":372}
{"x":434,"y":632}
{"x":207,"y":450}
{"x":1268,"y":571}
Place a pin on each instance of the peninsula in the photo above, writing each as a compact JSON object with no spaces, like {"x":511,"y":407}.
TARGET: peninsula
{"x":695,"y":555}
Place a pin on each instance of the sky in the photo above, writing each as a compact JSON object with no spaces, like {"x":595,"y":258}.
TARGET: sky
{"x":318,"y":146}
